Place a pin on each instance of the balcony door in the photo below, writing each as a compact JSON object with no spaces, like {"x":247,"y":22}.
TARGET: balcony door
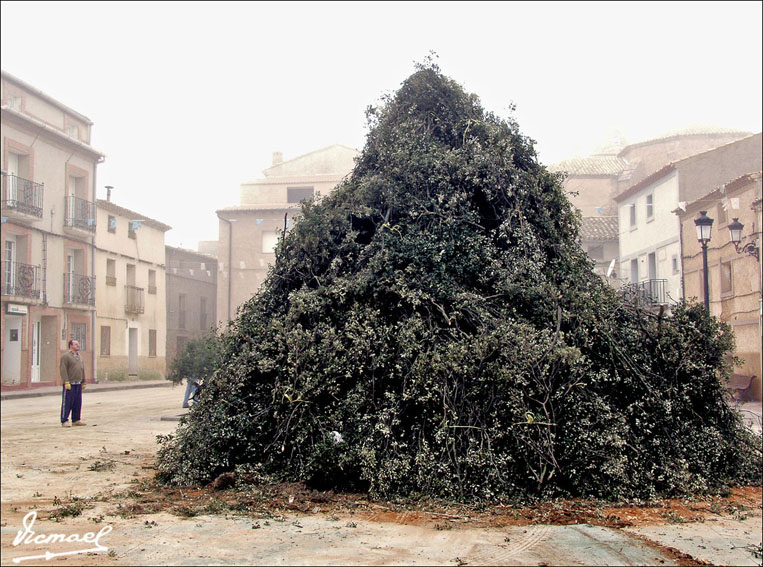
{"x":9,"y":263}
{"x":75,"y":270}
{"x":652,"y":261}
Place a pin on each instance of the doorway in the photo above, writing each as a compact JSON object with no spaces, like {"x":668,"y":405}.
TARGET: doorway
{"x":48,"y":348}
{"x":132,"y":361}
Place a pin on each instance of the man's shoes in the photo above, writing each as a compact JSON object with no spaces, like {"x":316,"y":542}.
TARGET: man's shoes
{"x":79,"y":423}
{"x":66,"y":424}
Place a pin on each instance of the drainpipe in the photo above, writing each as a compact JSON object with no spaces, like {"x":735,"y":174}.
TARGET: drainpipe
{"x":92,"y":263}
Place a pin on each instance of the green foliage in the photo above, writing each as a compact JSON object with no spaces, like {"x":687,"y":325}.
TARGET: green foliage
{"x":433,"y":327}
{"x":198,"y":358}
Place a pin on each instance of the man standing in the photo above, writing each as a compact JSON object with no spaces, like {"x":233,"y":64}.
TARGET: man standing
{"x":73,"y":376}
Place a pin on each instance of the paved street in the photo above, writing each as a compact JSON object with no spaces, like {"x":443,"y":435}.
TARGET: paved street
{"x":47,"y":469}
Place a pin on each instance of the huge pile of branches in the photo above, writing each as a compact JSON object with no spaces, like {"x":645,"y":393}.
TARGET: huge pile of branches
{"x":433,"y":328}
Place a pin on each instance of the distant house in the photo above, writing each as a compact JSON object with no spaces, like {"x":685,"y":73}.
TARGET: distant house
{"x":599,"y":238}
{"x":249,"y":232}
{"x":48,"y":286}
{"x":131,"y":312}
{"x":191,"y":297}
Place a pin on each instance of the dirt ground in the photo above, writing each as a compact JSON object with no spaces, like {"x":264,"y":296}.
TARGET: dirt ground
{"x":98,"y":480}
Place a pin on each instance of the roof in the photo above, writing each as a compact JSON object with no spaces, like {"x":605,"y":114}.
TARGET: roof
{"x":336,"y":159}
{"x":189,"y":252}
{"x":255,"y":208}
{"x":608,"y":162}
{"x":132,"y":215}
{"x":662,"y":172}
{"x":694,"y":130}
{"x":6,"y":75}
{"x":717,"y":193}
{"x":648,"y":180}
{"x":592,"y":165}
{"x":599,"y":228}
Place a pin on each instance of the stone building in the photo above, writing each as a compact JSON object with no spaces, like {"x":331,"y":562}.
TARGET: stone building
{"x":734,"y":272}
{"x":593,"y":182}
{"x":191,"y":297}
{"x":48,"y":292}
{"x":650,"y":249}
{"x":249,"y":232}
{"x":131,"y":313}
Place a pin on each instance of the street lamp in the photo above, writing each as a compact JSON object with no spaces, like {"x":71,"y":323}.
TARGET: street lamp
{"x":704,"y":230}
{"x":735,"y":228}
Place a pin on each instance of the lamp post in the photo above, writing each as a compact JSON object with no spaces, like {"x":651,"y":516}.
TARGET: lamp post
{"x":735,"y":228}
{"x":704,"y":229}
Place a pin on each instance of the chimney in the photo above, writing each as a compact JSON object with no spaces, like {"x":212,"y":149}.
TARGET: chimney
{"x":277,"y":158}
{"x":108,"y":192}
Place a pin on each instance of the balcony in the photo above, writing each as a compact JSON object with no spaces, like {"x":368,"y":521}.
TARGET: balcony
{"x":80,"y":217}
{"x":134,"y":299}
{"x":648,"y":293}
{"x":79,"y":290}
{"x":21,"y":281}
{"x":22,"y":199}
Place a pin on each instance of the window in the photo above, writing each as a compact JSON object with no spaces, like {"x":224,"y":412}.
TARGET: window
{"x":674,"y":262}
{"x":723,"y":217}
{"x":634,"y":271}
{"x":596,"y":252}
{"x":649,"y":206}
{"x":112,"y":224}
{"x":111,"y":272}
{"x":131,"y":230}
{"x":152,"y":282}
{"x":180,"y":344}
{"x":105,"y":340}
{"x":633,"y":215}
{"x":72,"y":131}
{"x":297,"y":194}
{"x":79,"y":334}
{"x":203,"y":313}
{"x":181,"y":311}
{"x":727,"y":281}
{"x":152,"y":342}
{"x":14,"y":102}
{"x":269,"y":241}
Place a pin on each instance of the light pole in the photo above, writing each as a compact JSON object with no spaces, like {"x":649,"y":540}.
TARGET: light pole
{"x":704,"y":229}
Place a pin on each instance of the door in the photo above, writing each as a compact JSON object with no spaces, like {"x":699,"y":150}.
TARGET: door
{"x":36,"y":331}
{"x":132,"y":361}
{"x":48,"y":348}
{"x":12,"y":350}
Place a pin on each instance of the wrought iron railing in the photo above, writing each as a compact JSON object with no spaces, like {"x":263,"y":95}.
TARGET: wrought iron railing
{"x":22,"y":195}
{"x":21,"y":280}
{"x":134,"y":299}
{"x":80,"y":214}
{"x":648,"y":292}
{"x":79,"y":289}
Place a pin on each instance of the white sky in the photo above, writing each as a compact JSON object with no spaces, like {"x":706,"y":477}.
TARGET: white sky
{"x":189,"y":99}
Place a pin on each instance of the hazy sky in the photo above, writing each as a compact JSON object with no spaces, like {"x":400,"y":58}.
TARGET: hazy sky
{"x":189,"y":99}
